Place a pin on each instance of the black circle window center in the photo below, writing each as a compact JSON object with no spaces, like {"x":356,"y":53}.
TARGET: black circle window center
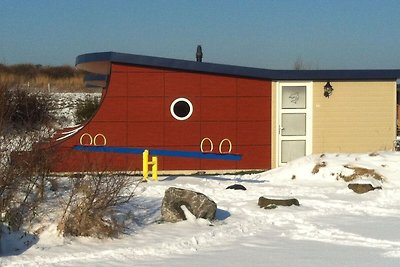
{"x":181,"y":109}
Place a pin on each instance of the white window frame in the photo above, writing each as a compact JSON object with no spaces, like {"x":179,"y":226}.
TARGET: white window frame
{"x":309,"y":114}
{"x":171,"y":108}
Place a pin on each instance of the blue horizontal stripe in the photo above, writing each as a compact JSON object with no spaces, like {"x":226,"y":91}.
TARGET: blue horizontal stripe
{"x":110,"y":149}
{"x":159,"y":152}
{"x":194,"y":154}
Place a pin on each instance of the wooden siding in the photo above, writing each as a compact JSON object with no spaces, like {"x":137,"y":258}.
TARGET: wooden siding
{"x":358,"y":117}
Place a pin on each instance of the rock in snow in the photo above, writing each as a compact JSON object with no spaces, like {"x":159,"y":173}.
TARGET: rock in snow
{"x":362,"y":188}
{"x":197,"y":203}
{"x":268,"y":203}
{"x":236,"y":187}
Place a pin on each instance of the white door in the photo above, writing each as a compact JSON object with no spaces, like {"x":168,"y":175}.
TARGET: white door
{"x":294,"y":120}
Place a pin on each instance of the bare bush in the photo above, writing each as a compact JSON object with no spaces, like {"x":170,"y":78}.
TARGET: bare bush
{"x":5,"y":111}
{"x":23,"y":175}
{"x":22,"y":110}
{"x":300,"y":64}
{"x":22,"y":181}
{"x":28,"y":71}
{"x":59,"y":72}
{"x":29,"y":110}
{"x":91,"y":207}
{"x":86,"y":109}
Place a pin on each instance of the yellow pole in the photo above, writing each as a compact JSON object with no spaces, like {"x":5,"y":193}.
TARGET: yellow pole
{"x":145,"y":164}
{"x":154,"y":168}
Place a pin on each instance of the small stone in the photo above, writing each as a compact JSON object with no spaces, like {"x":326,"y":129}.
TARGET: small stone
{"x":236,"y":187}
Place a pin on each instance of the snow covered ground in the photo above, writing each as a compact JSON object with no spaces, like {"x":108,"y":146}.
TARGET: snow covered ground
{"x":333,"y":226}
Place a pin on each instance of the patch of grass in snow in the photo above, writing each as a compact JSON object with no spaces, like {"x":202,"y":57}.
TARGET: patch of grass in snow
{"x":318,"y":166}
{"x":359,"y":172}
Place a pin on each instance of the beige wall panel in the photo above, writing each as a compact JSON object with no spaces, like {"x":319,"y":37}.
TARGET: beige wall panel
{"x":358,"y":117}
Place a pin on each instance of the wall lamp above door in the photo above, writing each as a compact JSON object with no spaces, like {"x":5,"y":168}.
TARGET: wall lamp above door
{"x":328,"y":89}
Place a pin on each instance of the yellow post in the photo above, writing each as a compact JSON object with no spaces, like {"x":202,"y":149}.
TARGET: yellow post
{"x":154,"y":169}
{"x":146,"y":164}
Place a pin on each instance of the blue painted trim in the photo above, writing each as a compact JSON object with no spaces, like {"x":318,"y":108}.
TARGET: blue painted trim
{"x":95,"y":77}
{"x":110,"y":149}
{"x":194,"y":154}
{"x":96,"y":80}
{"x":231,"y":70}
{"x":159,"y":152}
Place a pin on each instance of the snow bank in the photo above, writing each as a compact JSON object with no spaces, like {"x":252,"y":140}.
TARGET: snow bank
{"x":331,"y":222}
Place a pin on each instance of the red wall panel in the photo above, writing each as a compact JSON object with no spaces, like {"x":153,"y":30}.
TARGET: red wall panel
{"x":248,"y":87}
{"x":254,"y":132}
{"x":213,"y":85}
{"x":145,"y":109}
{"x":75,"y":161}
{"x":207,"y":164}
{"x":145,"y":134}
{"x":218,"y":109}
{"x":182,"y":133}
{"x":179,"y":84}
{"x":118,"y":85}
{"x":146,"y":84}
{"x":254,"y":108}
{"x":218,"y":131}
{"x":254,"y":157}
{"x":112,"y":109}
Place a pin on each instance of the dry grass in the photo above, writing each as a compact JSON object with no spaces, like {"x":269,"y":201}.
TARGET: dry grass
{"x":318,"y":166}
{"x":37,"y":77}
{"x":360,"y":172}
{"x":44,"y":82}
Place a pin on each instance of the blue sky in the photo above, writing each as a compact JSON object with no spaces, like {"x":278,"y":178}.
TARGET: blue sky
{"x":323,"y":34}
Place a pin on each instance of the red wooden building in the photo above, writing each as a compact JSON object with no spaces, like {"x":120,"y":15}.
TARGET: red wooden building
{"x":179,"y":105}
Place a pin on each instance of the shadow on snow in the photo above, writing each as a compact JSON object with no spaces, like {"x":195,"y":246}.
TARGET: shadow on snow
{"x":15,"y":243}
{"x":215,"y":178}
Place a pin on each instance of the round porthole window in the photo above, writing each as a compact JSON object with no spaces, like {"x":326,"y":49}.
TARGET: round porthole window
{"x":181,"y":109}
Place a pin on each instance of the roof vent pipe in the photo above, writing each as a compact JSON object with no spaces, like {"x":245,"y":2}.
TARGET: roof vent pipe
{"x":199,"y":54}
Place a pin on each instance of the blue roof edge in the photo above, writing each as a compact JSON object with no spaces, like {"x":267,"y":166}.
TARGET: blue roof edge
{"x":232,"y":70}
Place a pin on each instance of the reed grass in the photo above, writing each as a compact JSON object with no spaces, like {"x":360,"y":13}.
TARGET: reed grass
{"x":37,"y":77}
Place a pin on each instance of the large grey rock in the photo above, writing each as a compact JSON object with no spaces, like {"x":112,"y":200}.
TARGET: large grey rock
{"x":362,"y":188}
{"x":269,"y":203}
{"x":198,"y":204}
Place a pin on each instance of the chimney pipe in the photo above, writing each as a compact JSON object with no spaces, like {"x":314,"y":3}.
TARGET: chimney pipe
{"x":199,"y":54}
